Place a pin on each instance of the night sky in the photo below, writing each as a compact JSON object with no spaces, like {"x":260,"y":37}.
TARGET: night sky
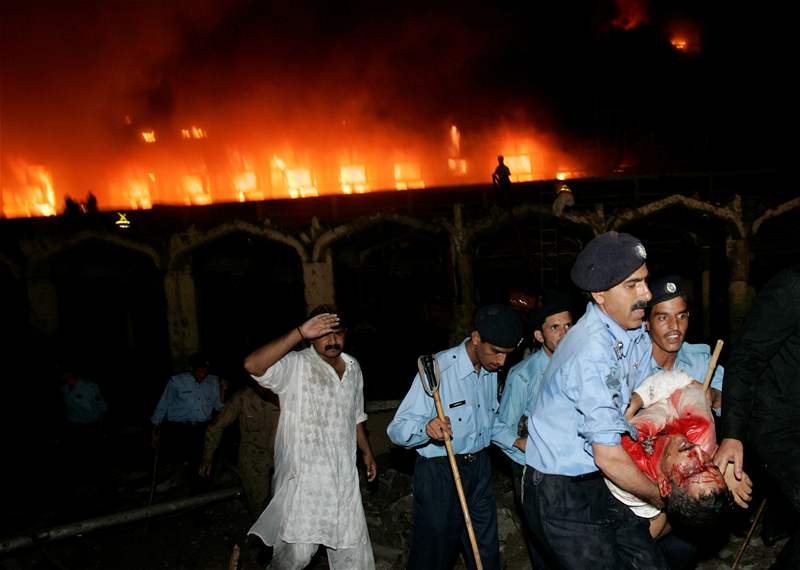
{"x":73,"y":70}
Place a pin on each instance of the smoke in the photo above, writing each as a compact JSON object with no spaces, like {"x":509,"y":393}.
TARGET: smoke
{"x":314,"y":82}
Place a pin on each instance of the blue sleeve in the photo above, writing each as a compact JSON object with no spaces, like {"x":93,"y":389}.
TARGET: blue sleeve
{"x":407,"y":429}
{"x":513,"y":404}
{"x":504,"y":435}
{"x":599,"y":399}
{"x":163,"y":404}
{"x":716,"y":381}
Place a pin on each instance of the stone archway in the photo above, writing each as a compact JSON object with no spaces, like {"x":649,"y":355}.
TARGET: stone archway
{"x":393,"y":280}
{"x":725,"y":233}
{"x":179,"y":280}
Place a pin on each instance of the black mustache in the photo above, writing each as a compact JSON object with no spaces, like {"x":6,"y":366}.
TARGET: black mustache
{"x":333,"y":347}
{"x":639,"y":305}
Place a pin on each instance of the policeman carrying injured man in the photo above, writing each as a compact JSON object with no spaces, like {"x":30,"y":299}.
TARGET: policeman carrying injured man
{"x":576,"y":423}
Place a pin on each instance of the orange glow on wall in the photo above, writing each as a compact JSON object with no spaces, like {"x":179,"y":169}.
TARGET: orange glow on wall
{"x":353,"y":179}
{"x":300,"y":184}
{"x":195,"y":190}
{"x":407,"y":176}
{"x":520,"y":167}
{"x":34,"y":191}
{"x":193,"y":132}
{"x":246,"y":186}
{"x":457,"y":166}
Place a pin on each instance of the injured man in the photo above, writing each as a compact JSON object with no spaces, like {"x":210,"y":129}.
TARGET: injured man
{"x":675,"y":444}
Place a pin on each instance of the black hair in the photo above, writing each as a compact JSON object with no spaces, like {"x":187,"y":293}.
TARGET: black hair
{"x":686,"y":511}
{"x":322,"y":309}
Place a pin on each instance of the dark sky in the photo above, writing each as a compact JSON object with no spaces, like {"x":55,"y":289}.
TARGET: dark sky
{"x":72,"y":70}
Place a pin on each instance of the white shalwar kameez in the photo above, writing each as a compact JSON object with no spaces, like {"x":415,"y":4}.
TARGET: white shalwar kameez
{"x":317,"y":498}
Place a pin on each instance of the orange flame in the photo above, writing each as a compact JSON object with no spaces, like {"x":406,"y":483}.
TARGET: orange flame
{"x":520,"y":167}
{"x":353,"y":179}
{"x":35,"y":194}
{"x":149,"y":136}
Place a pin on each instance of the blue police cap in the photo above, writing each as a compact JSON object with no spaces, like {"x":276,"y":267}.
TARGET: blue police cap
{"x":553,"y":302}
{"x":664,"y":289}
{"x":499,"y":325}
{"x":607,"y":261}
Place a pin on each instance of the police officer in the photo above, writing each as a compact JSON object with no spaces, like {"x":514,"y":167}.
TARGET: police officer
{"x":183,"y":412}
{"x":667,"y":323}
{"x":577,"y":419}
{"x":551,"y":321}
{"x":468,"y":388}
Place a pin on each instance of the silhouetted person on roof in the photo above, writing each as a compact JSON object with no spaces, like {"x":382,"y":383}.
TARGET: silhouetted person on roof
{"x":501,"y":179}
{"x":91,"y":204}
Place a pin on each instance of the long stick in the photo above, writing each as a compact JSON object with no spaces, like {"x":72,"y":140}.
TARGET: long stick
{"x":746,"y":542}
{"x":712,"y":364}
{"x":459,"y":487}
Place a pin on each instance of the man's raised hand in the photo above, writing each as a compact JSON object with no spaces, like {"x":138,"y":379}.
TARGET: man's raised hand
{"x":319,"y":325}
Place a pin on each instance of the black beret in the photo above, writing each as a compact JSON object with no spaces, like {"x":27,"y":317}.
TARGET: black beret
{"x":499,"y":325}
{"x":664,"y":289}
{"x":553,"y":302}
{"x":607,"y":261}
{"x":198,"y":360}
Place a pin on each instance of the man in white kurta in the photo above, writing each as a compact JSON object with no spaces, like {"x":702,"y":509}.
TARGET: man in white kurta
{"x":317,"y":499}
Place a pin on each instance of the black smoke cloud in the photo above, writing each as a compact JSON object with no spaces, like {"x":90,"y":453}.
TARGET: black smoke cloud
{"x":72,"y":72}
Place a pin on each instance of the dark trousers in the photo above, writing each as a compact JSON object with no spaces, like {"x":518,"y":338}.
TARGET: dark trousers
{"x":534,"y":550}
{"x":582,"y":525}
{"x":439,"y":530}
{"x":182,"y":446}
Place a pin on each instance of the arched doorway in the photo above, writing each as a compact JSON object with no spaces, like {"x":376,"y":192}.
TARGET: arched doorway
{"x":249,"y":290}
{"x":111,"y":322}
{"x":396,"y":284}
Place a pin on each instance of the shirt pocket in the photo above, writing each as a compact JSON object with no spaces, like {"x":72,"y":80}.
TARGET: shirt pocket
{"x":462,"y":420}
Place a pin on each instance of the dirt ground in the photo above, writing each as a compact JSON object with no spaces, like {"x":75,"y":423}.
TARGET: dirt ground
{"x":203,"y":538}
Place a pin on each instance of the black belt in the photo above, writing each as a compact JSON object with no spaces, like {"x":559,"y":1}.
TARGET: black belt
{"x":586,"y":476}
{"x":460,"y":457}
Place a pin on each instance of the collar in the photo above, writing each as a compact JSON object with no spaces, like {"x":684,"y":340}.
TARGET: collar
{"x":623,"y":339}
{"x":464,"y":365}
{"x":314,"y":354}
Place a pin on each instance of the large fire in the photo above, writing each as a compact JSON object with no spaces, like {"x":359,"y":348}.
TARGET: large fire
{"x":184,"y":167}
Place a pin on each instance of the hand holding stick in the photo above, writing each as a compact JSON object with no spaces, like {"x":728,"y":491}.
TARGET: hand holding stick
{"x":429,"y":376}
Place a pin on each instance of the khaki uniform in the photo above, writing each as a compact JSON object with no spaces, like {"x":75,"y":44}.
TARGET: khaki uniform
{"x":258,"y":422}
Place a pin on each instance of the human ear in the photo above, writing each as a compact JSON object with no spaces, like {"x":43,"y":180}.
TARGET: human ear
{"x":538,"y":336}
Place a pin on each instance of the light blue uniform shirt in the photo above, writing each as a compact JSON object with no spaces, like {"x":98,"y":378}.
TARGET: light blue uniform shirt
{"x":693,"y":359}
{"x":469,"y":399}
{"x":584,"y":393}
{"x":83,"y":403}
{"x":187,"y":400}
{"x":521,"y":385}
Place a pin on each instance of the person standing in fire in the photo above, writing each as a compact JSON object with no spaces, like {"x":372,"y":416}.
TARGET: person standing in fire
{"x":317,"y":499}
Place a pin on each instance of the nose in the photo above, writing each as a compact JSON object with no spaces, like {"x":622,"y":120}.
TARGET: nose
{"x":646,"y":290}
